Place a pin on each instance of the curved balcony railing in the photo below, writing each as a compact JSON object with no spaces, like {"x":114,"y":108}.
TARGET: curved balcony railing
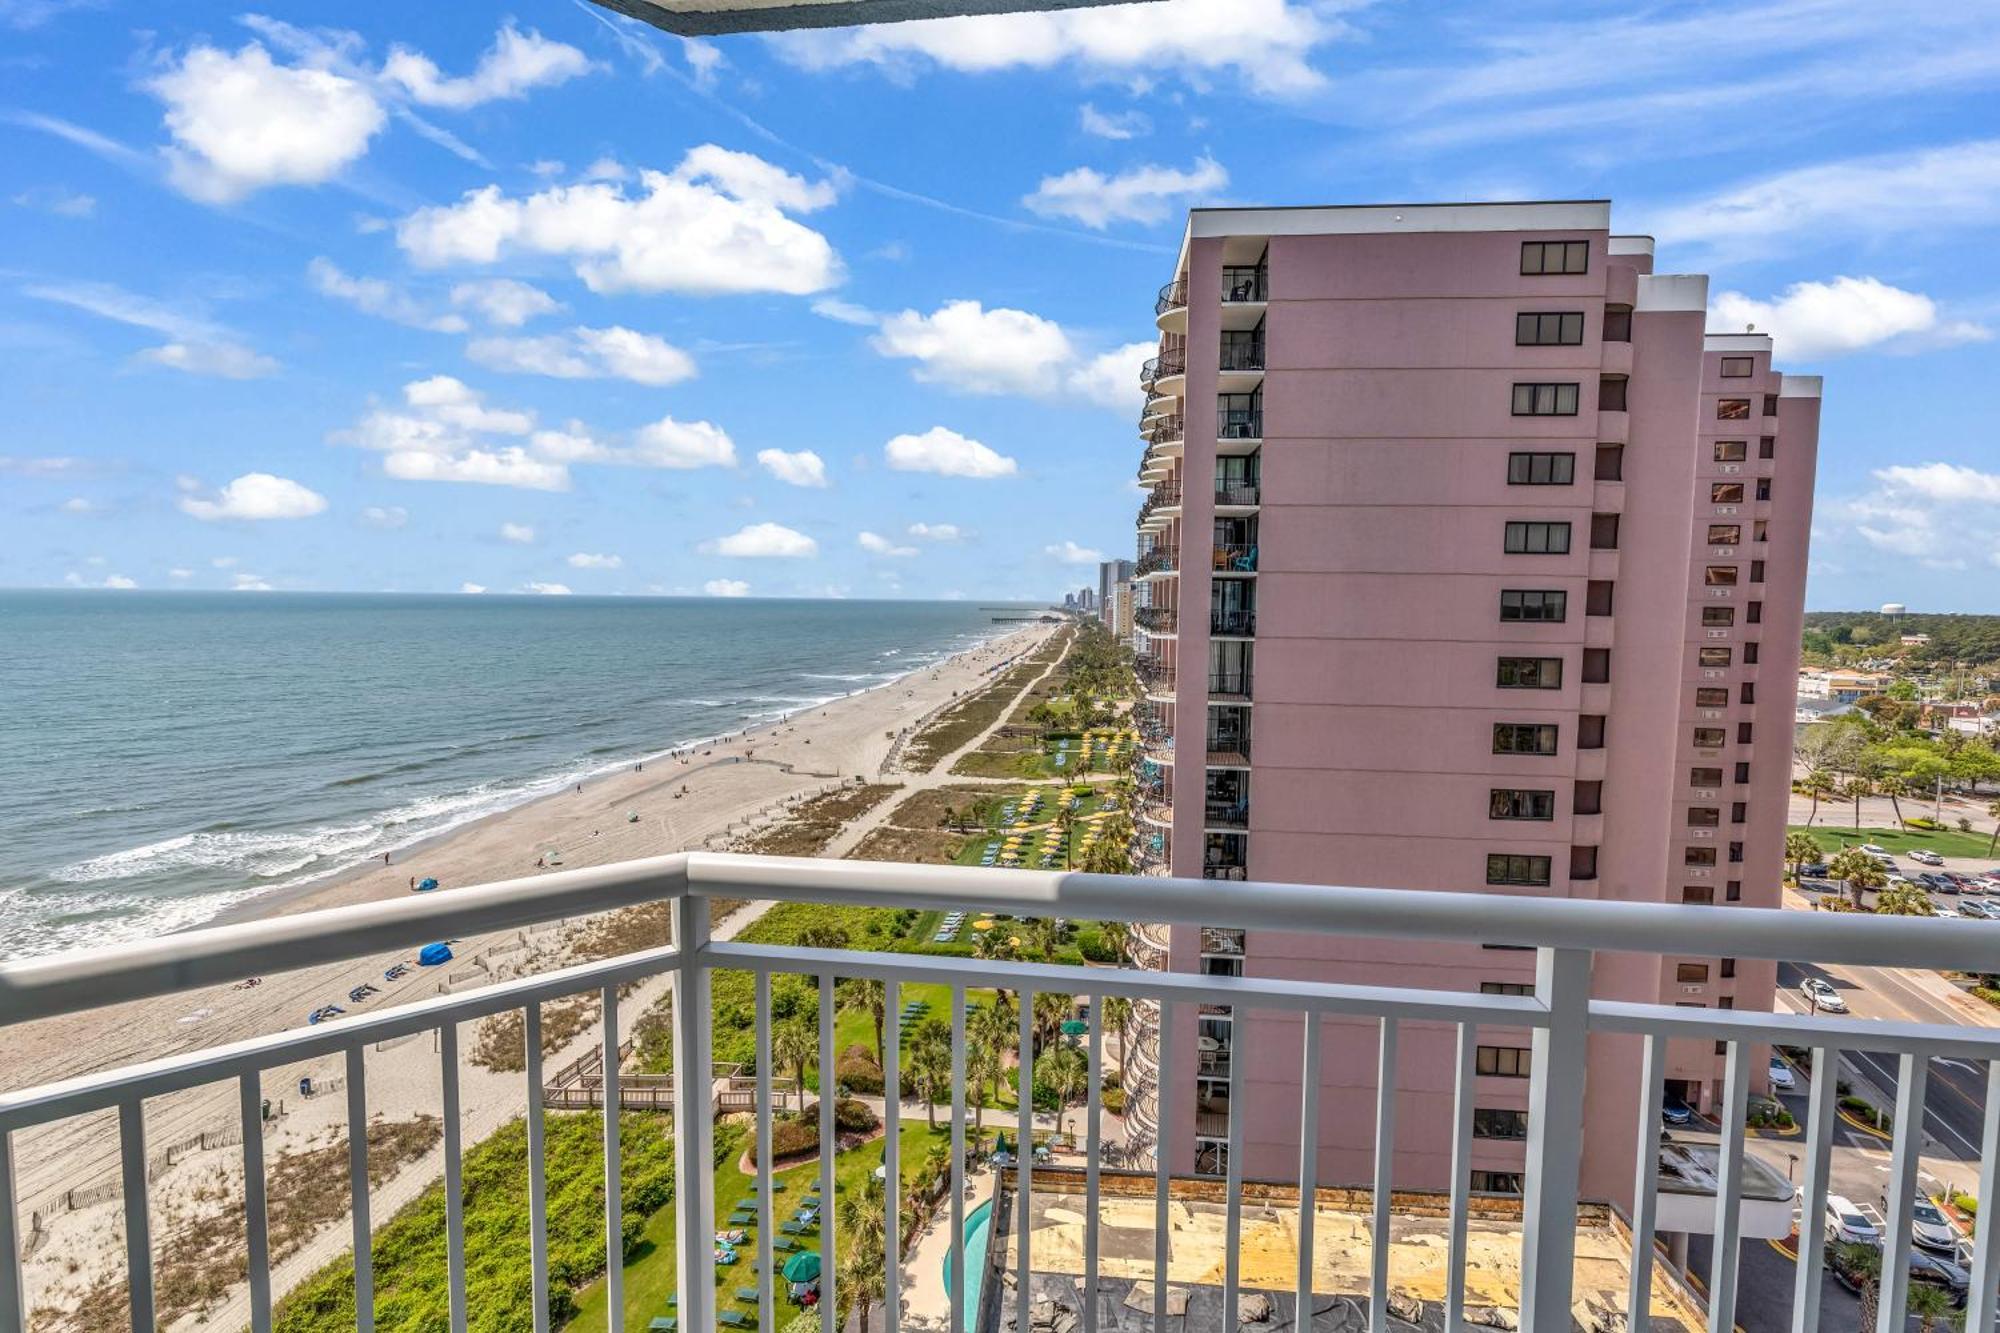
{"x":1234,"y":493}
{"x":1163,"y":496}
{"x":1155,"y":619}
{"x":1155,"y":676}
{"x":1163,"y":366}
{"x":1173,"y":296}
{"x":1155,"y":407}
{"x":1153,"y":934}
{"x":1233,"y":624}
{"x":1160,"y":559}
{"x":1157,"y":812}
{"x":1164,"y":430}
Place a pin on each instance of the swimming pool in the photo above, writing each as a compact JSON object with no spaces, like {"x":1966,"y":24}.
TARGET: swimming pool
{"x":978,"y":1230}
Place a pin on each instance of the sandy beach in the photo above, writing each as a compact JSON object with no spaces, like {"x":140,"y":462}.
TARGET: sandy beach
{"x":70,"y":1212}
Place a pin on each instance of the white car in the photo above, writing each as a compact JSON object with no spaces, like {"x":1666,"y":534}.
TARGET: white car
{"x":1822,"y":996}
{"x":1846,"y":1224}
{"x":1873,"y":850}
{"x":1781,"y":1075}
{"x":1986,"y":884}
{"x":1929,"y":858}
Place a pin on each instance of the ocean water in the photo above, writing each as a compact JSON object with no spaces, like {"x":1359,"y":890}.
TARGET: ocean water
{"x":167,"y":756}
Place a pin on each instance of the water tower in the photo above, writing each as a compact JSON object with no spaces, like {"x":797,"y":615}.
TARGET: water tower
{"x":1895,"y":610}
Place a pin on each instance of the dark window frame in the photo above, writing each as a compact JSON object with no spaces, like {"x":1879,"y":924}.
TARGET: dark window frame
{"x":1523,"y":536}
{"x":1518,"y":868}
{"x":1528,"y":673}
{"x":1520,"y":601}
{"x":1528,"y":805}
{"x":1571,"y":257}
{"x":1537,"y":739}
{"x":1546,"y":398}
{"x":1541,"y":468}
{"x":1548,"y":328}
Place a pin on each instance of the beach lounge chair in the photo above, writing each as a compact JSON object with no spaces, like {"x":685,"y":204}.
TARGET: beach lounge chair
{"x":747,"y":1203}
{"x":748,"y":1295}
{"x":784,"y":1244}
{"x":791,"y":1229}
{"x":742,"y":1218}
{"x":665,"y":1323}
{"x":736,"y":1319}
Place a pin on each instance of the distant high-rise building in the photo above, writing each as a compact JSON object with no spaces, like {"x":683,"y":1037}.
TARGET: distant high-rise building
{"x":1470,"y":563}
{"x":1109,"y":574}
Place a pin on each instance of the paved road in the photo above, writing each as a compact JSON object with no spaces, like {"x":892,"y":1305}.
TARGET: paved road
{"x":1955,"y":1101}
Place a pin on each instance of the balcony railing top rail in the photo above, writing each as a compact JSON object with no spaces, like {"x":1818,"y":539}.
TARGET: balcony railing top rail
{"x":1236,"y":493}
{"x":1171,"y":362}
{"x":1158,"y":559}
{"x":1173,"y":296}
{"x":1235,"y":423}
{"x":1566,"y":933}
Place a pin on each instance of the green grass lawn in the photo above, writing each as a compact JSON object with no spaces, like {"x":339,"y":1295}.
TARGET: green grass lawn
{"x":650,"y":1276}
{"x":1833,"y":837}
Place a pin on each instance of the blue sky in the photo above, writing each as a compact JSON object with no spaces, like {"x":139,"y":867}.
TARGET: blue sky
{"x":535,"y":298}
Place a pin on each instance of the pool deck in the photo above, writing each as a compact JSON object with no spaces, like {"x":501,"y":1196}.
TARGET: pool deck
{"x":926,"y":1304}
{"x":1269,"y":1263}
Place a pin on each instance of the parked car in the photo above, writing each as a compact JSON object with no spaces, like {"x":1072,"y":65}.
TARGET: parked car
{"x":1987,"y":884}
{"x":1966,"y":883}
{"x":1938,"y":884}
{"x":1937,"y":1271}
{"x":1925,"y":856}
{"x":1873,"y":850}
{"x":1822,"y":996}
{"x":1973,"y":907}
{"x":1929,"y":1227}
{"x":1897,"y":879}
{"x":1818,"y":886}
{"x":1781,"y":1075}
{"x":1676,"y":1112}
{"x":1816,"y":869}
{"x":1848,"y":1225}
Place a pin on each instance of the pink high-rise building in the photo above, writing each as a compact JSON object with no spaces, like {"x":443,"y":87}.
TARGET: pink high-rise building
{"x":1471,"y":562}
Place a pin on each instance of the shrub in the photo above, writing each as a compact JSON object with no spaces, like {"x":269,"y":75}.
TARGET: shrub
{"x":1966,"y":1204}
{"x":1090,"y":943}
{"x":1922,"y":822}
{"x":858,"y":1072}
{"x":797,"y":1133}
{"x":853,"y":1117}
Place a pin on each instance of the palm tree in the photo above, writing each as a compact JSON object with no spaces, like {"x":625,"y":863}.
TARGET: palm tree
{"x":995,"y":946}
{"x":1117,"y":935}
{"x":1106,"y":857}
{"x":1065,"y":825}
{"x":1816,"y":784}
{"x":982,"y":1065}
{"x":992,"y":1030}
{"x":1861,"y":871}
{"x":1050,"y":1012}
{"x":1855,"y":788}
{"x":930,"y":1064}
{"x":1903,"y":900}
{"x":1115,"y":1012}
{"x":1799,"y":849}
{"x":864,"y":1224}
{"x":1863,"y":1266}
{"x":1892,"y":787}
{"x":871,"y":993}
{"x":794,"y":1043}
{"x":1067,"y":1075}
{"x":1929,"y":1304}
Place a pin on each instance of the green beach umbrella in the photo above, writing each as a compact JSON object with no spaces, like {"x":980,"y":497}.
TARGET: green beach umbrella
{"x":802,"y":1267}
{"x":1075,"y":1028}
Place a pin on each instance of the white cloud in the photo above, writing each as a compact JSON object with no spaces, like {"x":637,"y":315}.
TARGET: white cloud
{"x":456,"y":403}
{"x":801,"y":468}
{"x":876,"y":544}
{"x":718,"y":223}
{"x":845,"y":312}
{"x":584,"y":353}
{"x":585,"y":560}
{"x":936,"y":532}
{"x":119,"y":581}
{"x":1072,"y":554}
{"x":255,"y":496}
{"x":1924,"y":191}
{"x":1115,"y":125}
{"x":978,"y":350}
{"x":375,"y":296}
{"x":516,"y":63}
{"x":508,"y":466}
{"x":1950,"y":483}
{"x":1111,"y":379}
{"x":77,"y":504}
{"x":1142,"y":194}
{"x":764,"y":541}
{"x":11,"y":465}
{"x":705,"y":62}
{"x":197,"y":346}
{"x":504,"y":302}
{"x":177,"y":573}
{"x":249,"y":583}
{"x":241,"y":122}
{"x":683,"y":444}
{"x":546,"y":589}
{"x":472,"y":589}
{"x":387,"y":517}
{"x":520,"y":534}
{"x":948,"y":454}
{"x":57,"y":200}
{"x":1812,"y":320}
{"x":229,"y":361}
{"x":726,"y":588}
{"x":1264,"y":42}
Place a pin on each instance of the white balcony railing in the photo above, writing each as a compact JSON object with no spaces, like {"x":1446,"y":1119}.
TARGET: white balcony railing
{"x":1561,"y":1015}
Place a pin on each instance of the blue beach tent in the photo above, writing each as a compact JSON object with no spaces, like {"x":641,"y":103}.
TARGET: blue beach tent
{"x":426,"y":884}
{"x":433,"y":954}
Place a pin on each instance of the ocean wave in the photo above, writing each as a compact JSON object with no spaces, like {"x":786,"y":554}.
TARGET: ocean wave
{"x":261,"y":855}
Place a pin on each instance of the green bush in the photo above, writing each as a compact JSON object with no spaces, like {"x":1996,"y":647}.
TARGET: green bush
{"x":796,"y":1134}
{"x":1966,"y":1204}
{"x":858,"y":1072}
{"x":409,"y":1251}
{"x":1090,"y":943}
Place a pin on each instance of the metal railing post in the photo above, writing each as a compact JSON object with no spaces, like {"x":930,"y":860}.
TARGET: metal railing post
{"x":694,"y":1173}
{"x":1555,"y":1138}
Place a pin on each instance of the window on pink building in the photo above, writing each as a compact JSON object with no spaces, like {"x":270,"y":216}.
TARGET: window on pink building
{"x":1541,"y":257}
{"x":1732,"y":409}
